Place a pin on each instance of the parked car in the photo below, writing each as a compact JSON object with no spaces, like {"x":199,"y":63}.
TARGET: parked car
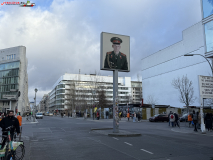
{"x":184,"y":118}
{"x":159,"y":117}
{"x":50,"y":114}
{"x":39,"y":115}
{"x":46,"y":114}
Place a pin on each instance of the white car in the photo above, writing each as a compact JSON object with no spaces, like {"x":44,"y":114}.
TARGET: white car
{"x":50,"y":114}
{"x":39,"y":115}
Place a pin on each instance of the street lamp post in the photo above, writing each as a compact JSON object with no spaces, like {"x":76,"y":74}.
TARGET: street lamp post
{"x":34,"y":105}
{"x":202,"y":102}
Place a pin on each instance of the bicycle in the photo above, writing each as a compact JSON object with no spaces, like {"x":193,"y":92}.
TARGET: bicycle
{"x":12,"y":150}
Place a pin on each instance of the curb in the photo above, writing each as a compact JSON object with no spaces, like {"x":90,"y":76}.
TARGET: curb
{"x":101,"y":129}
{"x":124,"y":135}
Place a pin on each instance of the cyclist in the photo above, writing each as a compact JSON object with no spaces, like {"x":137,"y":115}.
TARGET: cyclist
{"x":8,"y":121}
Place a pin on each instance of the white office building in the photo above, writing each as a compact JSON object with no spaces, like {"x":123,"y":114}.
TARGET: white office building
{"x":13,"y":78}
{"x":160,"y":68}
{"x":88,"y":85}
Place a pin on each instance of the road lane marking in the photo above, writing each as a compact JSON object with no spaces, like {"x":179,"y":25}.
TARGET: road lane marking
{"x":146,"y":151}
{"x":128,"y":143}
{"x":115,"y":138}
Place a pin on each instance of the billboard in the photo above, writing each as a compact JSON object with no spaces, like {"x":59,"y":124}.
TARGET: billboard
{"x":115,"y":52}
{"x":206,"y":86}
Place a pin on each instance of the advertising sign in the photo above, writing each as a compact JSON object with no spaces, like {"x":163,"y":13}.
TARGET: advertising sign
{"x":115,"y":52}
{"x":206,"y":86}
{"x":9,"y":96}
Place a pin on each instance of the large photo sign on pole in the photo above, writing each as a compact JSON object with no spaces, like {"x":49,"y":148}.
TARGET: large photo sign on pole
{"x":206,"y":86}
{"x":115,"y":52}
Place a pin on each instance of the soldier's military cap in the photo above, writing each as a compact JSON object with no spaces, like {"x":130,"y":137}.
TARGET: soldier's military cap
{"x":116,"y":40}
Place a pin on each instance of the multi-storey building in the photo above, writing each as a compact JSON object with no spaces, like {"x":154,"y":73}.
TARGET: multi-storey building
{"x":87,"y":87}
{"x":44,"y":103}
{"x":162,"y":67}
{"x":13,"y":78}
{"x":136,"y":91}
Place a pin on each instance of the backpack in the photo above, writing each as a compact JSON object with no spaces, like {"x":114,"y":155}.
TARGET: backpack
{"x":172,"y":116}
{"x":195,"y":116}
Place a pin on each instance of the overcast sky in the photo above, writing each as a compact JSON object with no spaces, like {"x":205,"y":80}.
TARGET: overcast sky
{"x":64,"y":36}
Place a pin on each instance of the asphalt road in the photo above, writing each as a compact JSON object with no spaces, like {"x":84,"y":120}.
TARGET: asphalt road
{"x":68,"y":138}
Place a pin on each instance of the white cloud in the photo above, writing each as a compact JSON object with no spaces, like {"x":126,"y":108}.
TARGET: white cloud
{"x":65,"y":38}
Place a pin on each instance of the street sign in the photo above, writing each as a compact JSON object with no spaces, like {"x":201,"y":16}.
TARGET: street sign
{"x":9,"y":96}
{"x":13,"y":90}
{"x":206,"y":86}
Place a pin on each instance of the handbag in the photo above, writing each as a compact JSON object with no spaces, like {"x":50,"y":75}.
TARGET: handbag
{"x":192,"y":123}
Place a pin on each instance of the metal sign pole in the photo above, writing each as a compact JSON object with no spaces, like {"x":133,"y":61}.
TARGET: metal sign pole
{"x":202,"y":115}
{"x":115,"y":102}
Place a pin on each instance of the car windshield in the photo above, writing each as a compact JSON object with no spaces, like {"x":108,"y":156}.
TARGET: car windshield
{"x":39,"y":114}
{"x":156,"y":115}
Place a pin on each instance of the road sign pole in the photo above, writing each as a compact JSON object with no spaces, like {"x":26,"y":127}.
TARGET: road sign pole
{"x":115,"y":102}
{"x":202,"y":116}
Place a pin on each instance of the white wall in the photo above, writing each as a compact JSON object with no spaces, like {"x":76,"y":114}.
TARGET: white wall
{"x":159,"y":69}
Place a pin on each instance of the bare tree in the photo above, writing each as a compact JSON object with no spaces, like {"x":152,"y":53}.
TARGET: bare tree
{"x":186,"y":90}
{"x":102,"y":101}
{"x":151,"y":100}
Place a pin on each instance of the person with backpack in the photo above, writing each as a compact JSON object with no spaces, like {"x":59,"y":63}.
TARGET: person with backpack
{"x":195,"y":120}
{"x":172,"y":119}
{"x":176,"y":120}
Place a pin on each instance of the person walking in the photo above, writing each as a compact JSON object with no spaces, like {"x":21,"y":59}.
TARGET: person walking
{"x":208,"y":120}
{"x":139,"y":117}
{"x":190,"y":119}
{"x":195,"y":120}
{"x":172,"y":119}
{"x":61,"y":115}
{"x":176,"y":120}
{"x":169,"y":116}
{"x":68,"y":114}
{"x":107,"y":114}
{"x":98,"y":116}
{"x":134,"y":117}
{"x":128,"y":115}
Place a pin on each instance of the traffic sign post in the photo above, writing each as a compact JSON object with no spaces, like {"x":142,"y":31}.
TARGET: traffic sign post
{"x":206,"y":91}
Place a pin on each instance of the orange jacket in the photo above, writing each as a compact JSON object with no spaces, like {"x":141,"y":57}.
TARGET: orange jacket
{"x":189,"y":117}
{"x":127,"y":115}
{"x":19,"y":120}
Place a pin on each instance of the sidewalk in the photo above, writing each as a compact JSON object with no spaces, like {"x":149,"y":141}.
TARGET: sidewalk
{"x":184,"y":129}
{"x":29,"y":121}
{"x":107,"y":120}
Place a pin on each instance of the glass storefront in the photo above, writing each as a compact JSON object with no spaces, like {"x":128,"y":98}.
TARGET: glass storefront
{"x":9,"y":65}
{"x":209,"y":35}
{"x":207,"y":8}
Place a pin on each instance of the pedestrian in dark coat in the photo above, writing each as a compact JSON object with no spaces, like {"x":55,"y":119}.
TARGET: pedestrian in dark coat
{"x":208,"y":120}
{"x":195,"y":120}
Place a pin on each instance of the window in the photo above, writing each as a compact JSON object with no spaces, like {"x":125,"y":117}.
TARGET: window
{"x":209,"y":35}
{"x":207,"y":8}
{"x":14,"y":56}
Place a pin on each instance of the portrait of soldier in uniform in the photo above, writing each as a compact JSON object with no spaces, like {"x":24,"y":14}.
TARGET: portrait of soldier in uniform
{"x":115,"y":59}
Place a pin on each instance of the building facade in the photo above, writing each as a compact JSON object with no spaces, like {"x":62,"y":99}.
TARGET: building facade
{"x":84,"y":90}
{"x":162,"y":67}
{"x":13,"y":78}
{"x":43,"y":104}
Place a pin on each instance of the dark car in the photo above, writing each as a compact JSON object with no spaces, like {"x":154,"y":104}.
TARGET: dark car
{"x":184,"y":118}
{"x":159,"y":117}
